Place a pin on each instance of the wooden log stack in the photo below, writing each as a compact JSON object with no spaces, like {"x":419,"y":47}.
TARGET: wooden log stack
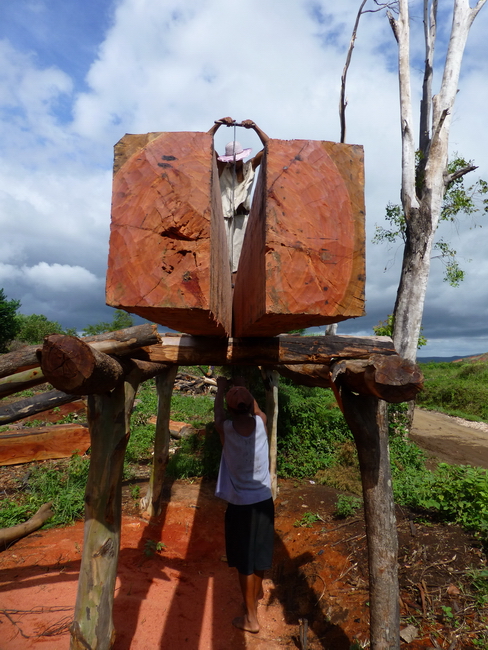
{"x":302,"y":262}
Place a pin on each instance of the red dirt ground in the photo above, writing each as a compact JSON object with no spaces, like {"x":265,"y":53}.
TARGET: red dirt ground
{"x":185,"y":596}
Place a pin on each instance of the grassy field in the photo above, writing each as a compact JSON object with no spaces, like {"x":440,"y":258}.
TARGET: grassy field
{"x":459,"y":389}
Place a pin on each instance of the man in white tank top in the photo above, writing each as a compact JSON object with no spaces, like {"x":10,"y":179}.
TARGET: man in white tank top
{"x":236,"y":181}
{"x":244,"y":482}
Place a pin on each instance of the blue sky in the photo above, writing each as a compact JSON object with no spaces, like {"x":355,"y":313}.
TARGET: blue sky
{"x":76,"y":76}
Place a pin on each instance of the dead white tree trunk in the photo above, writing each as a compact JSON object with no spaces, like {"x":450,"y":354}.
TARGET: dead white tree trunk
{"x":424,"y":183}
{"x":368,"y":420}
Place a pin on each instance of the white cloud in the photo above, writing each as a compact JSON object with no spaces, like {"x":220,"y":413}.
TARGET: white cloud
{"x":179,"y":65}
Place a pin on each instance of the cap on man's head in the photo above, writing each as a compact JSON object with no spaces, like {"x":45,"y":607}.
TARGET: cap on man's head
{"x":234,"y":151}
{"x":239,"y":399}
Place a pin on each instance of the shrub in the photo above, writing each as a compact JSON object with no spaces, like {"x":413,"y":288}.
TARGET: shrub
{"x":309,"y":429}
{"x":347,"y":506}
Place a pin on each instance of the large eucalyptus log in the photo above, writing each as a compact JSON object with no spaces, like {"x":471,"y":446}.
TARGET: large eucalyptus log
{"x":9,"y":535}
{"x":24,"y":408}
{"x":368,"y":420}
{"x":303,"y":253}
{"x":292,"y":350}
{"x":271,"y":380}
{"x":151,"y":502}
{"x":392,"y":378}
{"x":21,"y":381}
{"x":168,"y":259}
{"x":124,"y":340}
{"x":73,"y":366}
{"x":43,"y":443}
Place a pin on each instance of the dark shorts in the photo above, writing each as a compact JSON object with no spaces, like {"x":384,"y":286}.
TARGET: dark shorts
{"x":249,"y":536}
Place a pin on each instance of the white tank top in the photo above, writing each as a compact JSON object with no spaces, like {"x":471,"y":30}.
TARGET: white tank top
{"x":244,"y":466}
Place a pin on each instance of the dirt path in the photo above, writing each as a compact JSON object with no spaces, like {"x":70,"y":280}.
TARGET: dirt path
{"x":451,"y":439}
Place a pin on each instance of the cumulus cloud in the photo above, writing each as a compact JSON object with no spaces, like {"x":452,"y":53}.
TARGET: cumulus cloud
{"x":179,"y":65}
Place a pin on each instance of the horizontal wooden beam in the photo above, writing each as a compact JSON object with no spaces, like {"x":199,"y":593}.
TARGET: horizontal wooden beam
{"x":188,"y":350}
{"x":78,"y":368}
{"x":119,"y":342}
{"x":29,"y":406}
{"x":391,"y":378}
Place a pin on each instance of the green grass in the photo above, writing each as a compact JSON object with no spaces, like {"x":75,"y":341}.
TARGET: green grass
{"x":313,"y":442}
{"x":459,"y":389}
{"x":63,"y":484}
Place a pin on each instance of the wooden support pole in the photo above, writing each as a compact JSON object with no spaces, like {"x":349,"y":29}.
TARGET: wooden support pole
{"x":151,"y":502}
{"x":271,"y":380}
{"x":109,"y":419}
{"x":368,"y":420}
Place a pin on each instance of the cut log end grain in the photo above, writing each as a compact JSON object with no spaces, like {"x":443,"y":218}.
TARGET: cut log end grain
{"x":302,"y":262}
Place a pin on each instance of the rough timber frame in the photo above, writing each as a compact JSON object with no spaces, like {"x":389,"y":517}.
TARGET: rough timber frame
{"x":364,"y":373}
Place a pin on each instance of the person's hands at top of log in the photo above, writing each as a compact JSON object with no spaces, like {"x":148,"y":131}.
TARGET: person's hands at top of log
{"x":249,"y":124}
{"x":228,"y":121}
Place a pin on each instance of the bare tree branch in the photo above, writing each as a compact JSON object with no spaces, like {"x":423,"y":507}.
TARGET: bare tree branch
{"x":343,"y":102}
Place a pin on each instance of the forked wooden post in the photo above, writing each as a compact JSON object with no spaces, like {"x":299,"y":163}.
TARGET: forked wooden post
{"x":367,"y":418}
{"x":151,"y":502}
{"x":108,"y":418}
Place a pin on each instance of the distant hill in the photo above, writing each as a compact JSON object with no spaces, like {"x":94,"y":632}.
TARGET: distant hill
{"x":472,"y":358}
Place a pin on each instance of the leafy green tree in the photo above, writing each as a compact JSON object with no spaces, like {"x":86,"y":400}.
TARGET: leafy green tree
{"x":9,"y":326}
{"x":120,"y":321}
{"x":34,"y":327}
{"x":459,"y":201}
{"x":385,"y":328}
